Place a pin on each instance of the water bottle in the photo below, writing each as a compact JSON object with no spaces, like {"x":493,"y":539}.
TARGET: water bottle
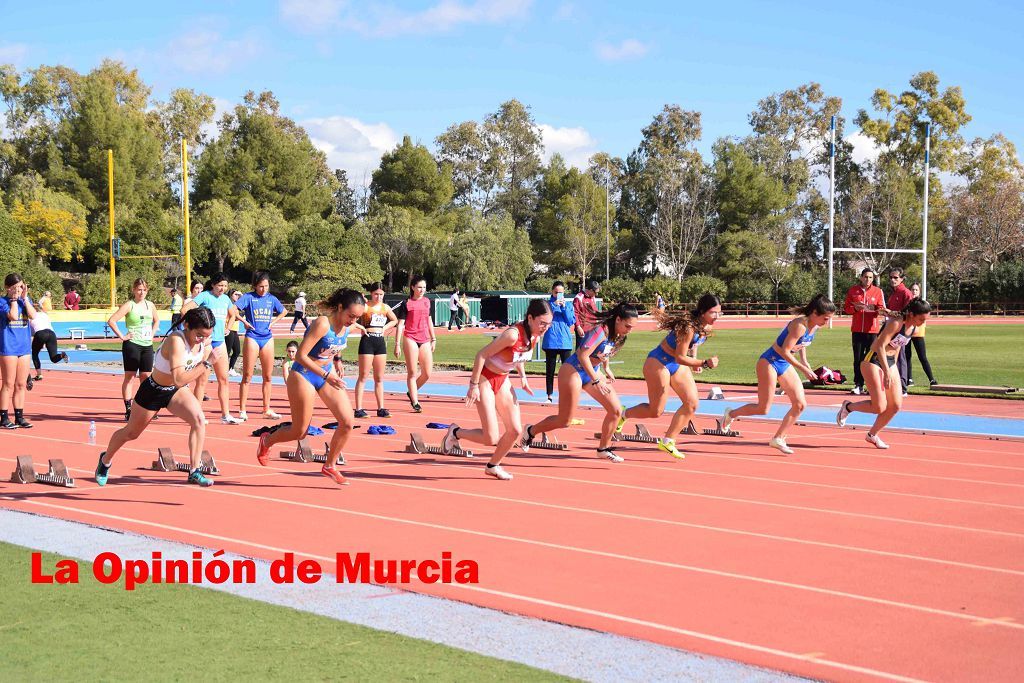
{"x":92,"y":432}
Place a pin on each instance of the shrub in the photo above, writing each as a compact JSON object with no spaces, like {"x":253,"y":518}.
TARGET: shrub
{"x":620,"y":289}
{"x":669,"y":288}
{"x":695,"y":286}
{"x":800,"y":285}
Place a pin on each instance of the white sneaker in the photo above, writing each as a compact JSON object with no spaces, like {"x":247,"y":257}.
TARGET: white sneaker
{"x":497,"y":472}
{"x":781,"y":445}
{"x":450,"y":442}
{"x":843,"y":414}
{"x":205,"y":421}
{"x":230,"y":419}
{"x":610,"y":455}
{"x":875,"y":441}
{"x":549,"y":400}
{"x":234,"y":373}
{"x":856,"y":391}
{"x":726,"y":419}
{"x":243,"y":416}
{"x":271,"y":415}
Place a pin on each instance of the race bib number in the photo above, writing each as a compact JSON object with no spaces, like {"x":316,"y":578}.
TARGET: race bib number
{"x":378,"y":320}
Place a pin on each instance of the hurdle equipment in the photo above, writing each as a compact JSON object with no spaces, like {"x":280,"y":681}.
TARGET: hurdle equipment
{"x":973,"y":388}
{"x":716,"y":394}
{"x":418,"y":445}
{"x":165,"y":462}
{"x":547,"y":443}
{"x":305,"y":453}
{"x":25,"y":473}
{"x":691,"y":430}
{"x":643,"y":435}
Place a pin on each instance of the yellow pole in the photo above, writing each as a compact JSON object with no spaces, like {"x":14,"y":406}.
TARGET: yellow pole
{"x":184,"y":211}
{"x":110,"y":199}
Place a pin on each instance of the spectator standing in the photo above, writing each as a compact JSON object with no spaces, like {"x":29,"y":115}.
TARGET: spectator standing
{"x":72,"y":300}
{"x":46,"y":302}
{"x":917,"y":342}
{"x":300,"y":312}
{"x":454,"y":310}
{"x":176,"y":304}
{"x":558,"y":339}
{"x":864,"y":301}
{"x":585,"y":308}
{"x":898,"y":300}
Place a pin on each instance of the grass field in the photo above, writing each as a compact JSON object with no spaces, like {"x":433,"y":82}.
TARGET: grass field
{"x":959,"y":354}
{"x":90,"y":631}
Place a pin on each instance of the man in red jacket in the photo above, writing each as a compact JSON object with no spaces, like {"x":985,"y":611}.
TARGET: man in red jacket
{"x":864,"y":302}
{"x":898,"y":300}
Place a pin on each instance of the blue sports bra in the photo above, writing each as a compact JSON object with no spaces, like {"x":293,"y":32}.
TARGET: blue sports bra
{"x":804,"y":341}
{"x":329,"y":346}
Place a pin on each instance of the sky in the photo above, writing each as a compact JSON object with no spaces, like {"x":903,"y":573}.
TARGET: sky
{"x":358,"y":75}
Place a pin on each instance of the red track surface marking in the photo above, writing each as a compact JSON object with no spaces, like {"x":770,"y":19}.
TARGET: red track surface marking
{"x":836,"y":562}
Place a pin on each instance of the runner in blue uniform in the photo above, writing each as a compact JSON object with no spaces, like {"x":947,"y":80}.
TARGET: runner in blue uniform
{"x":880,"y":370}
{"x":16,"y":311}
{"x":224,"y":312}
{"x":313,"y":373}
{"x":260,"y":310}
{"x":780,"y":363}
{"x":583,"y":371}
{"x":672,"y":364}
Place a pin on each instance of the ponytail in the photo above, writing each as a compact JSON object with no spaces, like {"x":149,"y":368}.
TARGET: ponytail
{"x":681,"y":320}
{"x":608,"y":319}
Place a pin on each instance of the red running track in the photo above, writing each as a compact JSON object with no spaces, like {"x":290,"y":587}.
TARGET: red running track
{"x":839,"y":562}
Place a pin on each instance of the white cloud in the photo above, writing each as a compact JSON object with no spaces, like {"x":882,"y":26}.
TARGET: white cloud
{"x":627,"y":49}
{"x":13,"y":53}
{"x":575,"y":145}
{"x":351,"y":144}
{"x":204,"y":49}
{"x":380,"y":20}
{"x":864,"y":148}
{"x":211,"y":131}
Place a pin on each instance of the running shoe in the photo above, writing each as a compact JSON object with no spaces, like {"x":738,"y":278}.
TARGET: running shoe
{"x":263,"y":450}
{"x":234,"y":373}
{"x":549,"y":400}
{"x":30,"y":382}
{"x":622,"y":421}
{"x":726,"y":420}
{"x":669,"y":446}
{"x":360,"y":413}
{"x":229,"y":419}
{"x":63,"y":358}
{"x":38,"y":378}
{"x":857,"y":391}
{"x":333,"y":474}
{"x":416,"y":408}
{"x":23,"y":423}
{"x":843,"y":414}
{"x":382,"y":412}
{"x":198,"y":478}
{"x":243,"y":416}
{"x":875,"y":441}
{"x":527,"y":439}
{"x":7,"y":424}
{"x":102,"y":471}
{"x":933,"y":383}
{"x":127,"y":414}
{"x":271,"y":415}
{"x":781,"y":445}
{"x":910,"y":382}
{"x":450,"y":442}
{"x":497,"y":472}
{"x":610,"y":455}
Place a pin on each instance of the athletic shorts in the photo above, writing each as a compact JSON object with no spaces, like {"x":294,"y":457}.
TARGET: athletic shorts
{"x":495,"y":379}
{"x":373,"y":345}
{"x":779,"y":363}
{"x":153,"y":396}
{"x":314,"y":378}
{"x":667,"y":359}
{"x":137,"y":358}
{"x":574,"y":361}
{"x":260,"y":341}
{"x":872,"y":358}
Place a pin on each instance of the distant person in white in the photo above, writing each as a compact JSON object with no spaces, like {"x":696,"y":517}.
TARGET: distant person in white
{"x":300,"y":312}
{"x":43,"y":335}
{"x":455,"y":310}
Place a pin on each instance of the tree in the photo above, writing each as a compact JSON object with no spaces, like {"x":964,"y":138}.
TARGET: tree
{"x":474,"y":170}
{"x":404,"y":239}
{"x":581,"y":212}
{"x":267,"y":158}
{"x":16,"y":252}
{"x":466,"y":254}
{"x":53,"y":223}
{"x":900,"y":131}
{"x":270,"y":249}
{"x":223,"y":233}
{"x":409,"y":176}
{"x":346,"y":207}
{"x":326,"y":256}
{"x":988,"y":221}
{"x":182,"y":117}
{"x":748,"y":198}
{"x":751,"y":260}
{"x":514,"y":147}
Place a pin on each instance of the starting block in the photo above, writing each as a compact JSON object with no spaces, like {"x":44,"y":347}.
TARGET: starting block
{"x":418,"y":445}
{"x":716,"y":394}
{"x":165,"y":463}
{"x":25,"y":473}
{"x":691,"y":429}
{"x":545,"y":443}
{"x":305,"y":453}
{"x":643,"y":435}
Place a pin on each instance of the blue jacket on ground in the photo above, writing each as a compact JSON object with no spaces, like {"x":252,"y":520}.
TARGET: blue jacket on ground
{"x":559,"y":336}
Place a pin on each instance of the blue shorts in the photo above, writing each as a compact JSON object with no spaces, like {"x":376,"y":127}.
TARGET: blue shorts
{"x":314,"y":378}
{"x":776,"y":361}
{"x":667,"y":359}
{"x":217,"y":344}
{"x":575,"y":363}
{"x":260,"y":341}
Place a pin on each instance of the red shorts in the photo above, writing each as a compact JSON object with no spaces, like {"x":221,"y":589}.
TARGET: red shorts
{"x":495,"y":379}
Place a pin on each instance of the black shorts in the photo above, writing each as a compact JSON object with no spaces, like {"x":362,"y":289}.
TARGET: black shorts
{"x":373,"y":345}
{"x":137,"y":358}
{"x":153,"y":396}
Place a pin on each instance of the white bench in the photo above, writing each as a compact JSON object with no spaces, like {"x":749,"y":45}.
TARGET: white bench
{"x":77,"y":333}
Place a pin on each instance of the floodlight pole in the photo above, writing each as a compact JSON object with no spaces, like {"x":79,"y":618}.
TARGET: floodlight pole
{"x":607,"y":222}
{"x":184,"y":214}
{"x":831,"y":207}
{"x":110,"y":201}
{"x":924,"y":230}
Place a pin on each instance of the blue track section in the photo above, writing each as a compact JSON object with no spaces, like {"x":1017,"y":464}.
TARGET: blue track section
{"x":933,"y":422}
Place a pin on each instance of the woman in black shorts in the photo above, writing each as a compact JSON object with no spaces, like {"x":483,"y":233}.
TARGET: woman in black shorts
{"x":183,"y":358}
{"x":376,"y":320}
{"x":141,"y":321}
